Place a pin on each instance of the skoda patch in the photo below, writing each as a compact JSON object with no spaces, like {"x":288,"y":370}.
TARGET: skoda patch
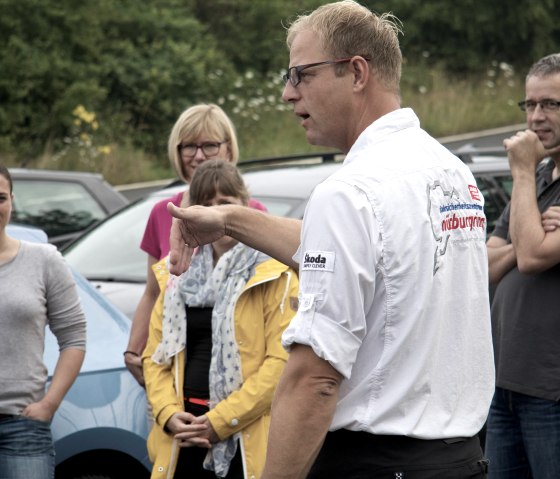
{"x":318,"y":261}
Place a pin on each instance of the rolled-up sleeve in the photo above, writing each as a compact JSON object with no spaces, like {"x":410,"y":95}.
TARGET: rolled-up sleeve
{"x":338,"y":256}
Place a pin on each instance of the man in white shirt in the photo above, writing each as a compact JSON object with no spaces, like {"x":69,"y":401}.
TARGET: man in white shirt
{"x":391,"y":369}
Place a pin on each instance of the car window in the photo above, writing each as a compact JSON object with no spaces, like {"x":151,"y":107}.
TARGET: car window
{"x":496,"y":197}
{"x":111,"y":251}
{"x":278,"y":206}
{"x":506,"y":184}
{"x":57,"y":207}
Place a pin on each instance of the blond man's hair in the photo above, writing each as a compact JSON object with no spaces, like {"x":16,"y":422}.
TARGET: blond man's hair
{"x":346,"y":29}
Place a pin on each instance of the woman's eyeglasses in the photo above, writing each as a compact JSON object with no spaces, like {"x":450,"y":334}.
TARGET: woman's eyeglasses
{"x":209,"y":148}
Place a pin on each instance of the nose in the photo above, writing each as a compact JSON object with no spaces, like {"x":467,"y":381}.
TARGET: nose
{"x":199,"y":156}
{"x":537,"y":114}
{"x":290,"y":93}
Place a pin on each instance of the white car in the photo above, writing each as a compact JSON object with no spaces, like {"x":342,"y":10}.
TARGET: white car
{"x":109,"y":254}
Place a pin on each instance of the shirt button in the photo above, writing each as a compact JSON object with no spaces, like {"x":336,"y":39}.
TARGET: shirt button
{"x":234,"y":422}
{"x":160,"y":469}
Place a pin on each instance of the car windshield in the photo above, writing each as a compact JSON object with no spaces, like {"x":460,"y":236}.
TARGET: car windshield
{"x":111,"y":251}
{"x":56,"y":207}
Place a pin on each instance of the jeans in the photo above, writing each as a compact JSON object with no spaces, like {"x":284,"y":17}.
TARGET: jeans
{"x":523,"y":437}
{"x":26,"y":449}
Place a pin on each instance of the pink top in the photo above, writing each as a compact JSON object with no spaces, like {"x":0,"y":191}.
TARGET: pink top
{"x":156,"y":235}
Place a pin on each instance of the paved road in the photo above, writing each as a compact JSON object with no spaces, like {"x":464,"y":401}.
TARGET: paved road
{"x":486,"y":139}
{"x":135,"y":191}
{"x":482,"y":139}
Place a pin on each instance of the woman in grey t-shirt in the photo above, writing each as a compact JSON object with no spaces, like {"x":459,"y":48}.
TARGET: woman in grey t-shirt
{"x":36,"y":290}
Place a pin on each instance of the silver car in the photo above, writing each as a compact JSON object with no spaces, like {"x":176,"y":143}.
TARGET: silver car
{"x":62,"y":203}
{"x":110,"y":257}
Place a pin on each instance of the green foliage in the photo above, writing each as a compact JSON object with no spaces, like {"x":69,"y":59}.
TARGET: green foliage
{"x":446,"y":104}
{"x":156,"y":64}
{"x":467,"y":35}
{"x":251,"y":32}
{"x":39,"y":73}
{"x":136,"y":65}
{"x":449,"y":104}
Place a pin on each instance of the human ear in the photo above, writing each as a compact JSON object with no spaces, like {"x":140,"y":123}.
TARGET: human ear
{"x":360,"y":70}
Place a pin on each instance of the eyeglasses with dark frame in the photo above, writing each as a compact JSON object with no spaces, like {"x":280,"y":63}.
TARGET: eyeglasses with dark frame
{"x":209,"y":148}
{"x":547,"y":105}
{"x":293,"y":75}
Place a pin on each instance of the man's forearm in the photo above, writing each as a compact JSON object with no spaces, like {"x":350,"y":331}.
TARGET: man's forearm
{"x":527,"y":232}
{"x":535,"y":250}
{"x":276,"y":236}
{"x":501,"y":260}
{"x":302,"y":412}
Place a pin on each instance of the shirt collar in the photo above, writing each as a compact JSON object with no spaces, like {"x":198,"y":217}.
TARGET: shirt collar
{"x":545,"y":178}
{"x":392,"y":122}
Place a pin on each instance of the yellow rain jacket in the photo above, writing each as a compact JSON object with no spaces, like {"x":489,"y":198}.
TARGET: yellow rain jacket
{"x":264,"y":309}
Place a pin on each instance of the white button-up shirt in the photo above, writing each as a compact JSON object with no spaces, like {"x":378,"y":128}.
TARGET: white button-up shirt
{"x":394,"y":286}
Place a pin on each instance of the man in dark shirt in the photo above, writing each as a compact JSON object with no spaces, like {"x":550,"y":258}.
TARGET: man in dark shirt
{"x":523,"y":429}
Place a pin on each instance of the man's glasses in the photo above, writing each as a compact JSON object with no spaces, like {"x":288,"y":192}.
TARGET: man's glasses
{"x":209,"y":148}
{"x":547,"y":105}
{"x":293,"y":74}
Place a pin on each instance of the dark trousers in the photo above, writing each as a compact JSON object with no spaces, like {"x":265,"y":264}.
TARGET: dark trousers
{"x":360,"y":455}
{"x":189,"y":465}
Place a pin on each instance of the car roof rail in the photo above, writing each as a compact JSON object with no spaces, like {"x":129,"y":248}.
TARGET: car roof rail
{"x":297,"y":159}
{"x":301,"y":158}
{"x":468,"y":151}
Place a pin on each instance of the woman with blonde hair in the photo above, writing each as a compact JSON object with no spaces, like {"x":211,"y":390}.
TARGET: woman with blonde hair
{"x":208,"y":132}
{"x":200,"y":133}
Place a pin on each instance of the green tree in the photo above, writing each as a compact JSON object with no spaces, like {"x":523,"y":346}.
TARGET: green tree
{"x":44,"y":66}
{"x":467,"y":36}
{"x":136,"y":64}
{"x":251,"y":32}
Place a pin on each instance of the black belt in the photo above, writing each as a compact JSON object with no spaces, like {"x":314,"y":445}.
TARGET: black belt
{"x":6,"y":416}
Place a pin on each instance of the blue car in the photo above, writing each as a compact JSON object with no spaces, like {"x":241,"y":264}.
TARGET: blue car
{"x":101,"y":427}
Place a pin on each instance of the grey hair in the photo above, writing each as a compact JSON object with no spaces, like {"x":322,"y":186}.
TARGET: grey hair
{"x":549,"y":65}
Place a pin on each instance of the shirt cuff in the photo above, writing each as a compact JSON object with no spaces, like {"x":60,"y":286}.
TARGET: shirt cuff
{"x":328,"y":339}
